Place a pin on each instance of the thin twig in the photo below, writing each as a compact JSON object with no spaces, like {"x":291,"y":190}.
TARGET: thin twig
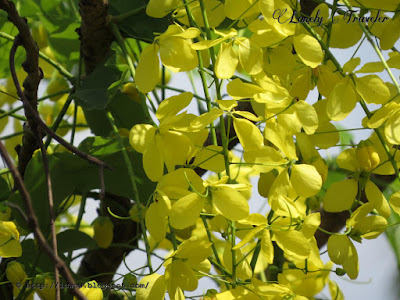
{"x":51,"y":211}
{"x":34,"y":224}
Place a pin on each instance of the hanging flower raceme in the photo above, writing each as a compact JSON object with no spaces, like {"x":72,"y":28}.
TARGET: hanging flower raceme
{"x":220,"y":197}
{"x":173,"y":143}
{"x":176,"y":53}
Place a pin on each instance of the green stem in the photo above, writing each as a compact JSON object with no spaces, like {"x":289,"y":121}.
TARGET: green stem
{"x":214,"y":249}
{"x":132,"y":176}
{"x":124,"y":16}
{"x":202,"y":75}
{"x":12,"y":111}
{"x":78,"y":223}
{"x":6,"y":137}
{"x":59,"y":118}
{"x":178,"y":90}
{"x":224,"y":138}
{"x":233,"y":239}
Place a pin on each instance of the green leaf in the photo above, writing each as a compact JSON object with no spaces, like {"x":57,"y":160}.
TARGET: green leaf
{"x":66,"y":42}
{"x":139,"y":26}
{"x":71,"y":174}
{"x":98,"y":146}
{"x":71,"y":239}
{"x":33,"y":255}
{"x":92,"y":94}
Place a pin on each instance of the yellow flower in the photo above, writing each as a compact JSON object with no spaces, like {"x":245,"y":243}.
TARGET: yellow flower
{"x":174,"y":47}
{"x":367,"y":156}
{"x":173,"y":143}
{"x":9,"y":240}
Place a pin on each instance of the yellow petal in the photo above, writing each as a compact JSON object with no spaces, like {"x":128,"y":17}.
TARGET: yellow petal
{"x":325,"y":136}
{"x":392,"y":129}
{"x":175,"y":148}
{"x":173,"y":105}
{"x":148,"y":69}
{"x":293,"y":243}
{"x":155,"y":288}
{"x":161,"y":8}
{"x":307,"y":116}
{"x":340,"y":195}
{"x":210,"y":158}
{"x":267,"y":249}
{"x":375,"y":196}
{"x":186,"y":210}
{"x":235,"y":9}
{"x":248,"y":134}
{"x":341,"y":101}
{"x":308,"y":49}
{"x":343,"y":34}
{"x":351,"y":65}
{"x":348,"y":160}
{"x":395,"y":202}
{"x":227,"y":61}
{"x":250,"y":56}
{"x":372,"y":67}
{"x":265,"y":182}
{"x":372,"y":89}
{"x":194,"y":250}
{"x":275,"y":133}
{"x":338,"y":248}
{"x":264,"y":159}
{"x":140,"y":135}
{"x":237,"y":89}
{"x":205,"y":119}
{"x":177,"y":54}
{"x":248,"y":237}
{"x":230,"y":203}
{"x":153,"y":163}
{"x":156,"y":222}
{"x":306,"y":180}
{"x":390,"y":33}
{"x":327,"y":80}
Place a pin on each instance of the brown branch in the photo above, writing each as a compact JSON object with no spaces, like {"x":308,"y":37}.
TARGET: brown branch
{"x":34,"y":224}
{"x":38,"y":120}
{"x":34,"y":75}
{"x":95,"y":36}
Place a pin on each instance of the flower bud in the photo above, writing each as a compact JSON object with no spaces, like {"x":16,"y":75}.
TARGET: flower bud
{"x":129,"y":279}
{"x":44,"y":287}
{"x":340,"y":272}
{"x":131,"y":91}
{"x":367,"y":155}
{"x":103,"y":231}
{"x":15,"y":272}
{"x":91,"y":291}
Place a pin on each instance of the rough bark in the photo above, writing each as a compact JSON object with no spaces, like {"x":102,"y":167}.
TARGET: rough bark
{"x":34,"y":75}
{"x":95,"y":35}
